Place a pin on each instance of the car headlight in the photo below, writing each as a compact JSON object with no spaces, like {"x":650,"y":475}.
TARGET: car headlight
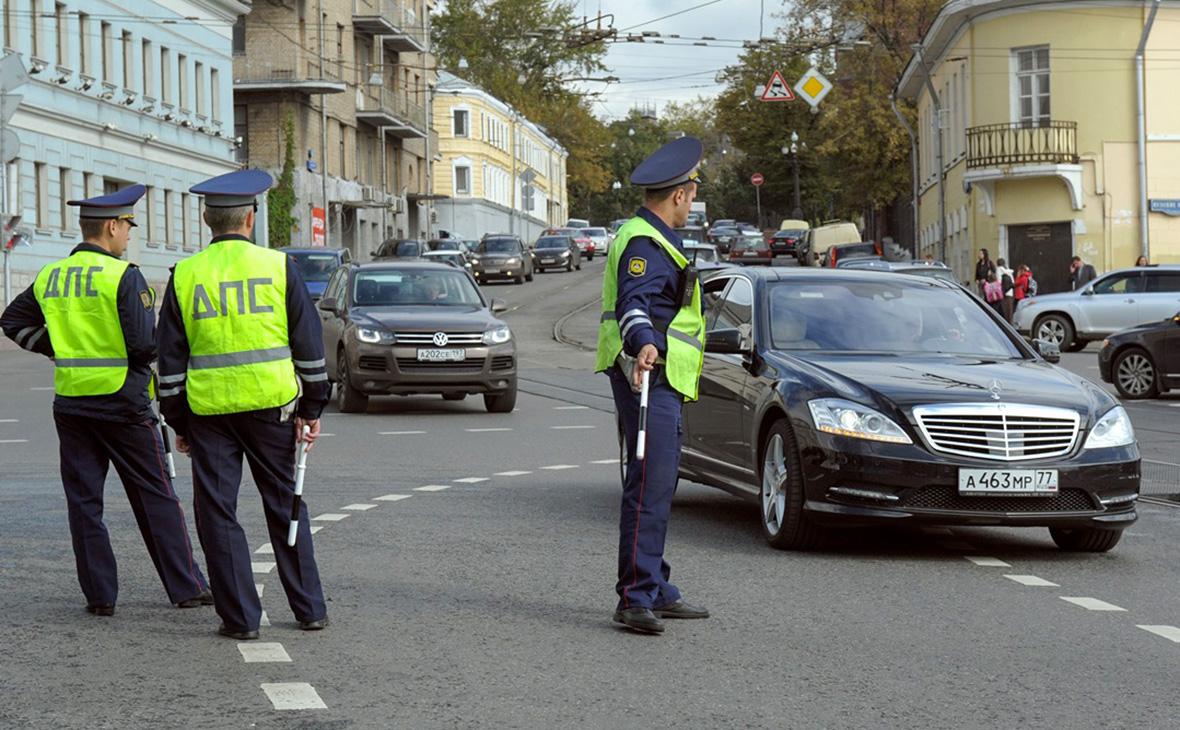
{"x":512,"y":261}
{"x":497,"y":336}
{"x":1113,"y":429}
{"x":845,"y":418}
{"x":374,"y":336}
{"x":565,"y":254}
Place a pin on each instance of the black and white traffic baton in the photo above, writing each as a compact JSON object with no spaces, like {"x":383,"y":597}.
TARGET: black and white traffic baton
{"x":641,"y":438}
{"x":300,"y":468}
{"x":167,"y":447}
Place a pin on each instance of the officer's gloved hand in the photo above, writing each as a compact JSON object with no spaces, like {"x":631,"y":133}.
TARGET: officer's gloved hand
{"x":646,"y":360}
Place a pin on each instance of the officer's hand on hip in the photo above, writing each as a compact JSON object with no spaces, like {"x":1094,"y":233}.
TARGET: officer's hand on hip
{"x":645,"y":361}
{"x":181,"y":444}
{"x":309,"y":437}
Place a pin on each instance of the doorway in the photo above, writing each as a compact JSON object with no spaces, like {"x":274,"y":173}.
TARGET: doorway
{"x":1046,"y":248}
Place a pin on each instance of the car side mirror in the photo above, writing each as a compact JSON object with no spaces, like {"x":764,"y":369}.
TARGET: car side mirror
{"x":1088,"y":292}
{"x":1048,"y":350}
{"x":724,"y":342}
{"x":328,"y":304}
{"x":499,"y":305}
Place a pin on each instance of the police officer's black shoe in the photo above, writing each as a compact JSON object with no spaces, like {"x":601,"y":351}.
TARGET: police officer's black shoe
{"x":639,"y":619}
{"x":102,"y":609}
{"x":204,"y":598}
{"x":680,"y":609}
{"x":239,"y":635}
{"x":313,"y":625}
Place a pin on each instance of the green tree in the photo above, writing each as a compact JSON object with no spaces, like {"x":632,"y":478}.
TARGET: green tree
{"x":281,"y":200}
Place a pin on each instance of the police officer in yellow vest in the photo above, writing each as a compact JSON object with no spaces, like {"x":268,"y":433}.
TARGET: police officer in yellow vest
{"x":238,"y":335}
{"x":652,"y":320}
{"x":94,"y":314}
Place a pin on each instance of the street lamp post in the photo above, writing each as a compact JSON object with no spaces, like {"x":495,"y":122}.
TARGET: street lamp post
{"x":793,"y":152}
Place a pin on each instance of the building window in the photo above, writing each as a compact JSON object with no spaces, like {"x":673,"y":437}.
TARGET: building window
{"x":459,"y":126}
{"x":462,"y":180}
{"x":41,"y":183}
{"x":182,"y":81}
{"x":168,"y":217}
{"x":107,"y":40}
{"x":199,"y":87}
{"x":148,"y":89}
{"x":342,"y":151}
{"x":35,"y":20}
{"x":241,"y":138}
{"x":63,"y":33}
{"x":1032,"y":86}
{"x":165,"y":78}
{"x":65,"y":188}
{"x":10,"y":25}
{"x":128,"y":61}
{"x":214,"y":94}
{"x":239,"y":36}
{"x":83,"y":43}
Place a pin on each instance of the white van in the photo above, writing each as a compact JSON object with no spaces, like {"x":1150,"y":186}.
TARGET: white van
{"x":818,"y":240}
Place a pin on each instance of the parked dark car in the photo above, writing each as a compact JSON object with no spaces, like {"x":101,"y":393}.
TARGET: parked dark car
{"x":785,"y":242}
{"x":557,"y":252}
{"x":723,"y":237}
{"x":584,"y":243}
{"x":695,"y":234}
{"x":934,"y":269}
{"x":846,"y":397}
{"x":415,"y":327}
{"x":316,"y":264}
{"x":503,"y":256}
{"x":842,"y":251}
{"x":401,"y":248}
{"x":1143,"y":361}
{"x":750,"y":251}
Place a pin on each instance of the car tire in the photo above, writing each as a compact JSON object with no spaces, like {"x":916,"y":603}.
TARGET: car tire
{"x":529,"y":277}
{"x":454,"y":396}
{"x":500,"y":402}
{"x":569,"y":266}
{"x":590,"y":257}
{"x":518,"y":280}
{"x":348,"y":398}
{"x":1054,"y":328}
{"x":579,"y":266}
{"x":1134,"y":374}
{"x":784,"y":523}
{"x":1085,"y":539}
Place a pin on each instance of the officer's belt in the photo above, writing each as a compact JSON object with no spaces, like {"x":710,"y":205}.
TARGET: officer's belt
{"x":230,"y":359}
{"x":663,"y":328}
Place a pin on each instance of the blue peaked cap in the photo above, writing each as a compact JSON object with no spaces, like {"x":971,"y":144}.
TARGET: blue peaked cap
{"x":234,"y":189}
{"x":119,"y":205}
{"x":672,"y":164}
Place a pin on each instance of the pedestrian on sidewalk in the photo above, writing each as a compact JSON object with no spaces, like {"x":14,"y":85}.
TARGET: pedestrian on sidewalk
{"x":94,"y":315}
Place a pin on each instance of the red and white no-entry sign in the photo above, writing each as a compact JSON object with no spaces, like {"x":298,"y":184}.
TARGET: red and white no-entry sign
{"x":756,"y":178}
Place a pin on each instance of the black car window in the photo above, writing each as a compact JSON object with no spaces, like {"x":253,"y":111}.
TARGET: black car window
{"x":334,"y":284}
{"x":712,"y":294}
{"x":560,"y":242}
{"x":885,"y":316}
{"x":736,"y":311}
{"x":392,"y":287}
{"x":1159,"y":281}
{"x":499,"y":245}
{"x":1127,"y":283}
{"x":315,"y":266}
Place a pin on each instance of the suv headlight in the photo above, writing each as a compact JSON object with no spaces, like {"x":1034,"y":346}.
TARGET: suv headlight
{"x":1113,"y":429}
{"x":565,"y":254}
{"x":845,"y":418}
{"x":497,"y":336}
{"x":512,"y":261}
{"x":375,"y":336}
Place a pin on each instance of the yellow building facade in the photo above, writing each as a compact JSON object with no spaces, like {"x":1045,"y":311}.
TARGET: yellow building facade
{"x":496,"y":172}
{"x":1036,"y":107}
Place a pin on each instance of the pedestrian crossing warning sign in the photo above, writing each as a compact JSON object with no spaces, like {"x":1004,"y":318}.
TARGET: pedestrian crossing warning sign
{"x":777,"y":89}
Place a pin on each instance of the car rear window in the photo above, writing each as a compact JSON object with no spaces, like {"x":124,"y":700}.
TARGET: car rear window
{"x":749,"y":242}
{"x":596,"y":232}
{"x":790,"y":233}
{"x":867,"y":248}
{"x":315,"y":266}
{"x":886,"y":316}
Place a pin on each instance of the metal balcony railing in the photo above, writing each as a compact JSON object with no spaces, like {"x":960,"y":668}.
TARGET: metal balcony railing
{"x":391,"y":17}
{"x":393,"y":106}
{"x":296,"y":71}
{"x":997,"y":145}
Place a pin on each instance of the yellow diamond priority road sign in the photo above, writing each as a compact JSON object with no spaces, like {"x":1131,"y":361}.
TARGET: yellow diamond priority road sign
{"x":812,"y":87}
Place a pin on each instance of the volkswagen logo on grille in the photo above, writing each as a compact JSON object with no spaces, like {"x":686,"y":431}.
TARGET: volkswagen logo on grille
{"x":993,"y":385}
{"x":440,"y":339}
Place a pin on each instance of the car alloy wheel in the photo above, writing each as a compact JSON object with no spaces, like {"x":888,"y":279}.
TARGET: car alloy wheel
{"x":1134,"y":375}
{"x":1055,"y":329}
{"x":784,"y":523}
{"x":348,"y":398}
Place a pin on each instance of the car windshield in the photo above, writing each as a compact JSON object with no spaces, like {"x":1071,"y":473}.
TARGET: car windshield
{"x":856,"y":249}
{"x":885,"y":316}
{"x":499,"y":245}
{"x":315,"y":266}
{"x":450,"y":245}
{"x":392,"y":287}
{"x":408,"y":248}
{"x":725,"y":231}
{"x":595,"y":232}
{"x":790,"y":233}
{"x":553,"y":242}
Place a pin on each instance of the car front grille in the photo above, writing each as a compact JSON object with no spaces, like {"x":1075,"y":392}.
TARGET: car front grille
{"x":948,"y":498}
{"x":411,"y":365}
{"x":371,"y":362}
{"x":503,"y":362}
{"x":427,"y":338}
{"x":999,"y":431}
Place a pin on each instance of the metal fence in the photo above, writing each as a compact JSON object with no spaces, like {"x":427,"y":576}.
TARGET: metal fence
{"x":1159,"y":479}
{"x":995,"y":145}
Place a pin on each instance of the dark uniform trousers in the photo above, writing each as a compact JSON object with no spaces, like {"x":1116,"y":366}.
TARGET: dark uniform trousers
{"x":217,"y":444}
{"x":648,"y":491}
{"x":88,"y":447}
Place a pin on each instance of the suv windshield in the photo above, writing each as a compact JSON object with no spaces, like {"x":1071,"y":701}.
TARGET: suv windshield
{"x":886,"y":316}
{"x":387,"y":288}
{"x":315,"y":266}
{"x":499,"y":245}
{"x":553,"y":242}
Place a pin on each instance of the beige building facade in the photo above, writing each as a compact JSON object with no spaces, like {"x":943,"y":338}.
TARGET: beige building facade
{"x":356,"y":82}
{"x":497,"y":172}
{"x":1038,"y":117}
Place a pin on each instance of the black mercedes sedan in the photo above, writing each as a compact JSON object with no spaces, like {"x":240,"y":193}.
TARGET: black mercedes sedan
{"x":841,"y":397}
{"x":1143,"y":361}
{"x":415,"y":327}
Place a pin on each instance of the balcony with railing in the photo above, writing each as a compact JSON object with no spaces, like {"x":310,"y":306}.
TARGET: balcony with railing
{"x":299,"y":72}
{"x":400,"y":27}
{"x":381,"y":106}
{"x":1023,"y":150}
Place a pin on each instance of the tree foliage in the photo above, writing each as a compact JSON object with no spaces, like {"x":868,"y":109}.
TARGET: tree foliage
{"x":281,"y":200}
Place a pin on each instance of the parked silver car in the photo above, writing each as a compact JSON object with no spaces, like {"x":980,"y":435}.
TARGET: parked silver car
{"x":1112,"y":302}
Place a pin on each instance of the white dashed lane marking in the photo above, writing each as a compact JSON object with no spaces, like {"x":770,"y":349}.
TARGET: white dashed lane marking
{"x":262,"y":567}
{"x":569,"y":428}
{"x":264,"y":652}
{"x":260,"y":587}
{"x":392,"y":497}
{"x":266,"y":549}
{"x":471,"y":480}
{"x":1171,"y":633}
{"x":264,"y":620}
{"x":359,"y":507}
{"x":1030,"y":580}
{"x":432,"y":488}
{"x":14,"y":441}
{"x":987,"y":562}
{"x":399,"y":433}
{"x":557,"y":467}
{"x":512,"y":473}
{"x":330,"y":517}
{"x":485,"y":430}
{"x":571,"y":408}
{"x":9,"y":420}
{"x":42,"y":388}
{"x":316,"y":528}
{"x":1093,"y":604}
{"x":293,"y":696}
{"x":606,"y":461}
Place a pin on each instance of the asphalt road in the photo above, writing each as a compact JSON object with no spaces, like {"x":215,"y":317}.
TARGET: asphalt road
{"x":469,"y":562}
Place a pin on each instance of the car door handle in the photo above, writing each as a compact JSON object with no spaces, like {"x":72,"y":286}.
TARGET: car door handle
{"x":1129,"y":301}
